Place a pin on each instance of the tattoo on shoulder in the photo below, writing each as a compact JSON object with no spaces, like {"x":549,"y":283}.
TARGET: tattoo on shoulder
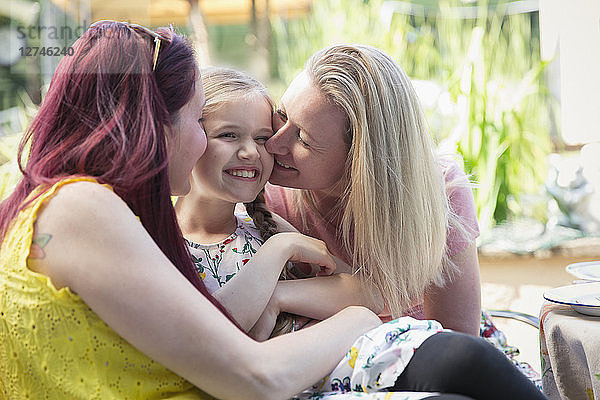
{"x":38,"y":244}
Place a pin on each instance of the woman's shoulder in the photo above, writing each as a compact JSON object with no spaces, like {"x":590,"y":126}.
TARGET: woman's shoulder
{"x":80,"y":201}
{"x":81,"y":188}
{"x":71,"y":199}
{"x":80,"y":198}
{"x":458,"y":184}
{"x":459,"y":188}
{"x":81,"y":210}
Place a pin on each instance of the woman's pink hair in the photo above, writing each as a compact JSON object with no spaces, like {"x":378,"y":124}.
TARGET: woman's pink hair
{"x":105,"y":116}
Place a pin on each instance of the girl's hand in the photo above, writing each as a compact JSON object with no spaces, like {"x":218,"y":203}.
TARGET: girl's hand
{"x":306,"y":249}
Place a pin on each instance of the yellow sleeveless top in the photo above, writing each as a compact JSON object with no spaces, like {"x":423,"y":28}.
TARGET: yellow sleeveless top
{"x":53,"y":346}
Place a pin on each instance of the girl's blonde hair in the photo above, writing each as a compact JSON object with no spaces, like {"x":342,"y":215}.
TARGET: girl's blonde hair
{"x":394,"y":209}
{"x":223,"y":85}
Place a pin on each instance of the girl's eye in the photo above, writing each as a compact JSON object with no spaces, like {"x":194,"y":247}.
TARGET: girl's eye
{"x":226,"y":135}
{"x":262,"y":139}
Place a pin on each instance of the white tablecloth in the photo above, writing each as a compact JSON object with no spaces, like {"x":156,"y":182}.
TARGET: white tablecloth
{"x":570,"y":353}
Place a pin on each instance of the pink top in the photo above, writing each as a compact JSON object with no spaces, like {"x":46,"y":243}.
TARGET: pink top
{"x":279,"y":200}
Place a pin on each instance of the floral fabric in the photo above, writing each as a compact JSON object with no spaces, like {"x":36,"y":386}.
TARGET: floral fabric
{"x":488,"y":331}
{"x":374,"y":362}
{"x":217,"y":263}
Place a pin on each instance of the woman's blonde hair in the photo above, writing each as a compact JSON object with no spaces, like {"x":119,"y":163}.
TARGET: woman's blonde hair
{"x":395,"y":211}
{"x":223,"y":85}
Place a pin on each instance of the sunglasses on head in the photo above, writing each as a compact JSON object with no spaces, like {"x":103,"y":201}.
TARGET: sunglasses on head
{"x":140,"y":29}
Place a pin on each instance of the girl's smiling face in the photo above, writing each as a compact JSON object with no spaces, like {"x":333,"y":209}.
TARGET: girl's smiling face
{"x":236,"y":166}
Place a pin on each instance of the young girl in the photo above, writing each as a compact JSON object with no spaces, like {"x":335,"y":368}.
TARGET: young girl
{"x":235,"y":169}
{"x":222,"y":240}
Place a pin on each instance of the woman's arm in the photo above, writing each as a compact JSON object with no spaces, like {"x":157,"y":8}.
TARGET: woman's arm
{"x":315,"y":298}
{"x":101,"y":251}
{"x":246,"y":295}
{"x":458,"y":304}
{"x":321,"y":297}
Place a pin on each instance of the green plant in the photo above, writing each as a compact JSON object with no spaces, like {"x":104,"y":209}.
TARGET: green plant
{"x":9,"y":143}
{"x":502,"y":112}
{"x":9,"y":171}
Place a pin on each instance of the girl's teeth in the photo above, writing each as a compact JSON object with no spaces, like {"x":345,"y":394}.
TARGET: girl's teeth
{"x":244,"y":174}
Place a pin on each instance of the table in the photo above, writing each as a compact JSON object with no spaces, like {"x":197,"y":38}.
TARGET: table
{"x":570,"y":353}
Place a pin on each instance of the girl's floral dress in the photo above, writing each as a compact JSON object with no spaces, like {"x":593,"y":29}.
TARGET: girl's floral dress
{"x":217,"y":263}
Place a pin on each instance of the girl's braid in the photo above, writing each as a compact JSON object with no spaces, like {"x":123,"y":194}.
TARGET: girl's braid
{"x":263,"y":219}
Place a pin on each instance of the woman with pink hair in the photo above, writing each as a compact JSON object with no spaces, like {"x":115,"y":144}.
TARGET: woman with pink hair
{"x":100,"y":297}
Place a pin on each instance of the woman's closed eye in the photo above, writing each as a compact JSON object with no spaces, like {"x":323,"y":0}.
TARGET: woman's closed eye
{"x":302,"y":141}
{"x":279,"y":119}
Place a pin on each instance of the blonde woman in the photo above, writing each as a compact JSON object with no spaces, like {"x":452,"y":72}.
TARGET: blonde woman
{"x":351,"y":139}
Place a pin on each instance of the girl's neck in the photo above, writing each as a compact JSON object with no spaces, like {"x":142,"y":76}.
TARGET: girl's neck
{"x":205,"y":220}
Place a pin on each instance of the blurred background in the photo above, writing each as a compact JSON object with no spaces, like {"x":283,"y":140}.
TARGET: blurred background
{"x":510,"y":87}
{"x":507,"y":85}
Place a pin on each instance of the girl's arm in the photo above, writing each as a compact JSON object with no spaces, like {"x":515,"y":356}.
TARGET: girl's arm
{"x":458,"y":304}
{"x":101,"y":251}
{"x":246,"y":295}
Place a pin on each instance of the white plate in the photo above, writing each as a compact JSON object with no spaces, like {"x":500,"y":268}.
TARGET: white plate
{"x":583,"y":298}
{"x":585,"y":270}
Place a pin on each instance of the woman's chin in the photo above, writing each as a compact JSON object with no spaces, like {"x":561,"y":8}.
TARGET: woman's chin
{"x":181,"y":190}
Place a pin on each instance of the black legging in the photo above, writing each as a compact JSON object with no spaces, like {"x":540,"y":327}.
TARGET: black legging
{"x":455,"y":363}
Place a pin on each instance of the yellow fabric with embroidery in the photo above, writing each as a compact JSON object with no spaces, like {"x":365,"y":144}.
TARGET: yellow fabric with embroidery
{"x":53,"y":346}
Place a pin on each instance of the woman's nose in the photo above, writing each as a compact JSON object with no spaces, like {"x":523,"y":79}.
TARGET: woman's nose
{"x":279,"y":142}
